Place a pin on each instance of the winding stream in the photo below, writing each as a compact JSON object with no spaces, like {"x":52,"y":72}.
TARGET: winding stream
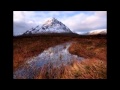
{"x":56,"y":55}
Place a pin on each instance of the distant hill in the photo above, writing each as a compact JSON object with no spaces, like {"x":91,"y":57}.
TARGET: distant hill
{"x":97,"y":32}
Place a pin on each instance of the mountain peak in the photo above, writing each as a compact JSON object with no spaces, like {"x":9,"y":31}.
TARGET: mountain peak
{"x":52,"y":19}
{"x":52,"y":25}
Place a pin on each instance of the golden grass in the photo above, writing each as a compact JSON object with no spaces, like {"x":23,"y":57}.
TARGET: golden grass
{"x":25,"y":48}
{"x":87,"y":69}
{"x":91,"y":48}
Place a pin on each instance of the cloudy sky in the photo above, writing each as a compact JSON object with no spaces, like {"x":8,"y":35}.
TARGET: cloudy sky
{"x":76,"y":21}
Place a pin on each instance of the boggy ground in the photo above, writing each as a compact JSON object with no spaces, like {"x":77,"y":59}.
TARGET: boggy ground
{"x":93,"y":48}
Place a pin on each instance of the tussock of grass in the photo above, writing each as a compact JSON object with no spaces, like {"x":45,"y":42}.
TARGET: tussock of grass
{"x":87,"y":69}
{"x":28,"y":47}
{"x":91,"y":47}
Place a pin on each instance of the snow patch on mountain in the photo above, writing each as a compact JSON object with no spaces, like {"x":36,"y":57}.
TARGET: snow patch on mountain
{"x":50,"y":26}
{"x":93,"y":32}
{"x":99,"y":31}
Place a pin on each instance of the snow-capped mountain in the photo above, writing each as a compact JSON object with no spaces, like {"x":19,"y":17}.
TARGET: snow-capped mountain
{"x":50,"y":26}
{"x":95,"y":32}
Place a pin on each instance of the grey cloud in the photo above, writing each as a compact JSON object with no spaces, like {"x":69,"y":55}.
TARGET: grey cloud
{"x":21,"y":27}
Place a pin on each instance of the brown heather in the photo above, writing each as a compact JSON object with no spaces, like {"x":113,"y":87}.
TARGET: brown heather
{"x":93,"y":48}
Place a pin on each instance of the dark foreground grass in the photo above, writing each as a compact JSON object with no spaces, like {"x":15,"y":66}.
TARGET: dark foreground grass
{"x":87,"y":69}
{"x":93,"y":48}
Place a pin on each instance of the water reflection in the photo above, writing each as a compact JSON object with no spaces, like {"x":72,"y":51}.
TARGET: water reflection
{"x":57,"y":55}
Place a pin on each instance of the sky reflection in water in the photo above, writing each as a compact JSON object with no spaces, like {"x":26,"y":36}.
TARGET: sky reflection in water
{"x":57,"y":55}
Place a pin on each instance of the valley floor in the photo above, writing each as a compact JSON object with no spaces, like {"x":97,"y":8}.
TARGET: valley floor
{"x":92,"y":48}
